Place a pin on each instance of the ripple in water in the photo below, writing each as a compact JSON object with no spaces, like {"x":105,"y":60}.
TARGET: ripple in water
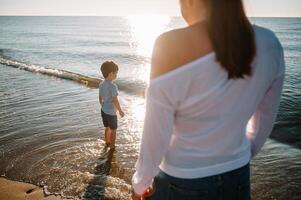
{"x":83,"y":172}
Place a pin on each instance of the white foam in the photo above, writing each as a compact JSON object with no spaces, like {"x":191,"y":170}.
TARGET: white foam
{"x":59,"y":73}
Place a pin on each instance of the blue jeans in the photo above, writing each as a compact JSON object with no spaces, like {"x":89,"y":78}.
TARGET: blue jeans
{"x":233,"y":185}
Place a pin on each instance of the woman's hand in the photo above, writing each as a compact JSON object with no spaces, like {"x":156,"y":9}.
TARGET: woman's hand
{"x":136,"y":196}
{"x":149,"y":192}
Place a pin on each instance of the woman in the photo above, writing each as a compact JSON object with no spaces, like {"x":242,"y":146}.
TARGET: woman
{"x":211,"y":103}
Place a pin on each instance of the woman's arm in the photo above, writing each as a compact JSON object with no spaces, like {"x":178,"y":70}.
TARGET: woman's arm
{"x":261,"y":123}
{"x":157,"y":131}
{"x":158,"y":122}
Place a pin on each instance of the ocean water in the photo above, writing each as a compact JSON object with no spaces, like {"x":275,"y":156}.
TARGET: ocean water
{"x":50,"y":126}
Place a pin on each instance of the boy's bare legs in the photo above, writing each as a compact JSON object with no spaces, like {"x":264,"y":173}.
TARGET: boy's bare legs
{"x":112,"y":139}
{"x":107,"y":135}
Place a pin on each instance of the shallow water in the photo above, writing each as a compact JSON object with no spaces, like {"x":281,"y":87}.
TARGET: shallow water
{"x":50,"y":128}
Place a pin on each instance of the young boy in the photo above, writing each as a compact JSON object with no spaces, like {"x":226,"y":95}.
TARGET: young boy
{"x":108,"y":100}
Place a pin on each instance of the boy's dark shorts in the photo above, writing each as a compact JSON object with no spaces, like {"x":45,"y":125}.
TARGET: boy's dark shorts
{"x":109,"y":120}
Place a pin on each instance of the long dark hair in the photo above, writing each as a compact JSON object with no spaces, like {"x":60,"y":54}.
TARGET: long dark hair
{"x":232,"y":36}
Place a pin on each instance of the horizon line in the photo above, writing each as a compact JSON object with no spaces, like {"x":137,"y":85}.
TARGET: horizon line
{"x":128,"y":15}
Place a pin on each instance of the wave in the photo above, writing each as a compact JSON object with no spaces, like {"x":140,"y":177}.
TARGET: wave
{"x":136,"y":87}
{"x":86,"y":80}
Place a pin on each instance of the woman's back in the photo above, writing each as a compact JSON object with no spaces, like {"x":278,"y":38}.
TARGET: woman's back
{"x":211,"y":103}
{"x":212,"y":111}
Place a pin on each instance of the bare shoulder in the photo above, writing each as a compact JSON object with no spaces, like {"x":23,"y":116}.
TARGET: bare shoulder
{"x":166,"y":52}
{"x":175,"y":48}
{"x":170,"y":35}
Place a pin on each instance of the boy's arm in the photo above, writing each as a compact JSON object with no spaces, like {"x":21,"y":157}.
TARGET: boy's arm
{"x":117,"y":105}
{"x":99,"y":96}
{"x":100,"y":100}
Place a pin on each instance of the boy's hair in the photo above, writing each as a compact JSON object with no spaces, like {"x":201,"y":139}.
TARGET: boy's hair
{"x":108,"y":67}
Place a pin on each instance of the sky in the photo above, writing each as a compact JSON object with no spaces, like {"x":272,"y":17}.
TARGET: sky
{"x":262,"y":8}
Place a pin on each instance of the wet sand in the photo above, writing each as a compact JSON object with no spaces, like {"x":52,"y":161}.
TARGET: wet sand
{"x":13,"y":190}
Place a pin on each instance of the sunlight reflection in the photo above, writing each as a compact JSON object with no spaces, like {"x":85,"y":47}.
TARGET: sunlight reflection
{"x":139,"y":110}
{"x":143,"y":72}
{"x":145,"y":29}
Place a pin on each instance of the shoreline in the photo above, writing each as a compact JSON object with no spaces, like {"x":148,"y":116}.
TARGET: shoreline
{"x":15,"y":190}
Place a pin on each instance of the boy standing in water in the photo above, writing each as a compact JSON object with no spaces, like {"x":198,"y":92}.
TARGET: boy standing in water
{"x":108,"y":100}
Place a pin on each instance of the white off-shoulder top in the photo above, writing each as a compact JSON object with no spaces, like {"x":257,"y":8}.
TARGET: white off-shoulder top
{"x":198,"y":123}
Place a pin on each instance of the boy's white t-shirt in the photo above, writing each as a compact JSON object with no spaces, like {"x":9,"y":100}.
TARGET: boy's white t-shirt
{"x":199,"y":123}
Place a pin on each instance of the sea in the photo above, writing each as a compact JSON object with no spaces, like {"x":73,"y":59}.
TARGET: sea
{"x":51,"y":132}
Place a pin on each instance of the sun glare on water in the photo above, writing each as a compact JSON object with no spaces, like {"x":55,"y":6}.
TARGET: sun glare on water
{"x":145,"y":29}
